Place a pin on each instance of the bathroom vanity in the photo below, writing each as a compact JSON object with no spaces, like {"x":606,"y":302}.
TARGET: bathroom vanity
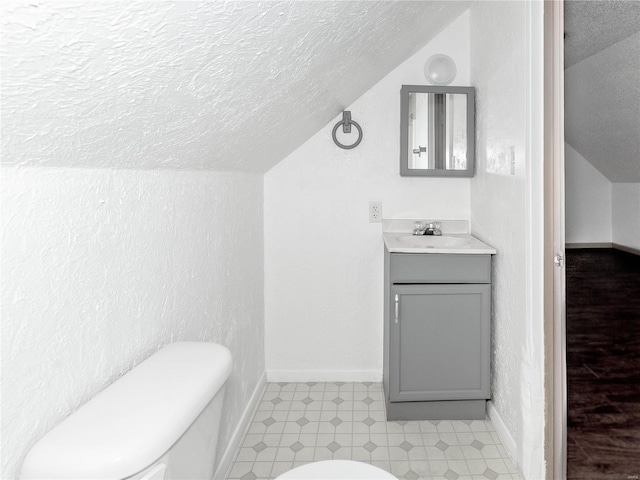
{"x":436,"y":325}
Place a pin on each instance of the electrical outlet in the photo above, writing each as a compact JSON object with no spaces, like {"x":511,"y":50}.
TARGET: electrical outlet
{"x":375,"y":212}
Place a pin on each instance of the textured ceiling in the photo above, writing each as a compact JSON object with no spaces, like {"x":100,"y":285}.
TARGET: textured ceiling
{"x":602,"y":110}
{"x":197,"y":85}
{"x":591,"y":26}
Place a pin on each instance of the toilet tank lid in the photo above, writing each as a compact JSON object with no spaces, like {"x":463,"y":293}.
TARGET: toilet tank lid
{"x":135,"y":420}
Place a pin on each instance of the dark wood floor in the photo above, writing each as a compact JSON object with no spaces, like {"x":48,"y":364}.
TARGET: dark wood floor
{"x":603,"y":364}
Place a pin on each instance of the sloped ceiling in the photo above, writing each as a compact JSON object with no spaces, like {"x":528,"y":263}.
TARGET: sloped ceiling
{"x":590,"y":26}
{"x":233,"y":85}
{"x":602,"y":85}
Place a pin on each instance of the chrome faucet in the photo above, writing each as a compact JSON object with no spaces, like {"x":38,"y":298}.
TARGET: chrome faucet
{"x":423,"y":228}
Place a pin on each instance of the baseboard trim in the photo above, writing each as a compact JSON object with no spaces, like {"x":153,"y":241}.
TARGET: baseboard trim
{"x":624,"y":248}
{"x":617,"y":246}
{"x":236,"y":439}
{"x":502,"y":431}
{"x":577,"y":246}
{"x":324,"y":375}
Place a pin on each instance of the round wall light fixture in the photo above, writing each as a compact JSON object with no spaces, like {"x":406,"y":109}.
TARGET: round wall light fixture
{"x":440,"y":69}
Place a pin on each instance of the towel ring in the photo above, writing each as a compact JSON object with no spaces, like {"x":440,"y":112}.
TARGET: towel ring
{"x":346,"y":123}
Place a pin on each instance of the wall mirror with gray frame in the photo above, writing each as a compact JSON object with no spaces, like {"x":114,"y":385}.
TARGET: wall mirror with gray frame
{"x":437,"y":131}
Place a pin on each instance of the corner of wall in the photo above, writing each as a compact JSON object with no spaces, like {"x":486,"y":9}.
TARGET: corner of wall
{"x":100,"y":268}
{"x":507,"y":211}
{"x":588,"y":201}
{"x":323,"y":259}
{"x":626,"y":215}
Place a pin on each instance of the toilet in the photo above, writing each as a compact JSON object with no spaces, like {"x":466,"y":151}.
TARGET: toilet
{"x":336,"y":469}
{"x":159,"y":421}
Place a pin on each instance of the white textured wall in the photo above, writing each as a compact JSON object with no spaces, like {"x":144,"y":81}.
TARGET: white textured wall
{"x":323,"y":259}
{"x":503,"y":206}
{"x":587,"y":201}
{"x":102,"y":267}
{"x":626,"y":214}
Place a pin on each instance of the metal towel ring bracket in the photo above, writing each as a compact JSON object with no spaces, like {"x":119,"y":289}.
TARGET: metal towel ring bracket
{"x":346,"y":123}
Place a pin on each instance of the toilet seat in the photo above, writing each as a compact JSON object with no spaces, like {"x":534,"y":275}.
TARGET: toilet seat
{"x":336,"y":469}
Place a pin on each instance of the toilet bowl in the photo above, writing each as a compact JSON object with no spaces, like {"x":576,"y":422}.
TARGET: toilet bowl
{"x":336,"y":469}
{"x":160,"y":421}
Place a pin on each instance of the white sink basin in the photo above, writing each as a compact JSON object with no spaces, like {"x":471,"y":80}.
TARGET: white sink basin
{"x":432,"y":241}
{"x":398,"y":238}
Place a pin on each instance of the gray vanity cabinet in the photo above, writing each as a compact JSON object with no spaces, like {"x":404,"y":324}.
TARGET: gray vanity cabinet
{"x":437,"y":335}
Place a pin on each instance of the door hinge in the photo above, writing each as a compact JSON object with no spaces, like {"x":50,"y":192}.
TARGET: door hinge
{"x":558,"y":260}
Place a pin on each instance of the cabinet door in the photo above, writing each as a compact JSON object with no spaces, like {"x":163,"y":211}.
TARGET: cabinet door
{"x":439,"y":345}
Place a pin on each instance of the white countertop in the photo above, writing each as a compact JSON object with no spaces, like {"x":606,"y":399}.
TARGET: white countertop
{"x":455,"y":239}
{"x":452,"y":244}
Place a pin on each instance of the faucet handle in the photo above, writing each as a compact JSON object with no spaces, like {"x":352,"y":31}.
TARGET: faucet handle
{"x":418,"y":227}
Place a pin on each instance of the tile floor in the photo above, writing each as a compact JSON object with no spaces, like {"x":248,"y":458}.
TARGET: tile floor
{"x":298,"y":423}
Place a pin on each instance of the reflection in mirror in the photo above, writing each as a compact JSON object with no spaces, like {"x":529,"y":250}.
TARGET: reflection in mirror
{"x":431,"y":145}
{"x":437,"y":131}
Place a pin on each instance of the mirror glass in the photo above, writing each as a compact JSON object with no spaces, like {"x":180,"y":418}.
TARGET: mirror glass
{"x":437,"y":130}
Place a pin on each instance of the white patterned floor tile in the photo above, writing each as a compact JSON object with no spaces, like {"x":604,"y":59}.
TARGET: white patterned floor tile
{"x":297,"y":423}
{"x":305,"y":455}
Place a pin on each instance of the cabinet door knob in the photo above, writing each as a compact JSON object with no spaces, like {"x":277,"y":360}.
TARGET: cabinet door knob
{"x":397,"y":308}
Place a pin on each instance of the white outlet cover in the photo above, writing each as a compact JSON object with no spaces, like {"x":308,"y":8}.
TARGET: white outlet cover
{"x":375,"y":212}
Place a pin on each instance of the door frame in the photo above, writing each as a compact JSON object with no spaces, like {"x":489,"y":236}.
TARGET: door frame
{"x":554,"y":274}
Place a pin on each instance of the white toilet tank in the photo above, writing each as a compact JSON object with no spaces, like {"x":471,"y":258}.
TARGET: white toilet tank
{"x":159,"y":421}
